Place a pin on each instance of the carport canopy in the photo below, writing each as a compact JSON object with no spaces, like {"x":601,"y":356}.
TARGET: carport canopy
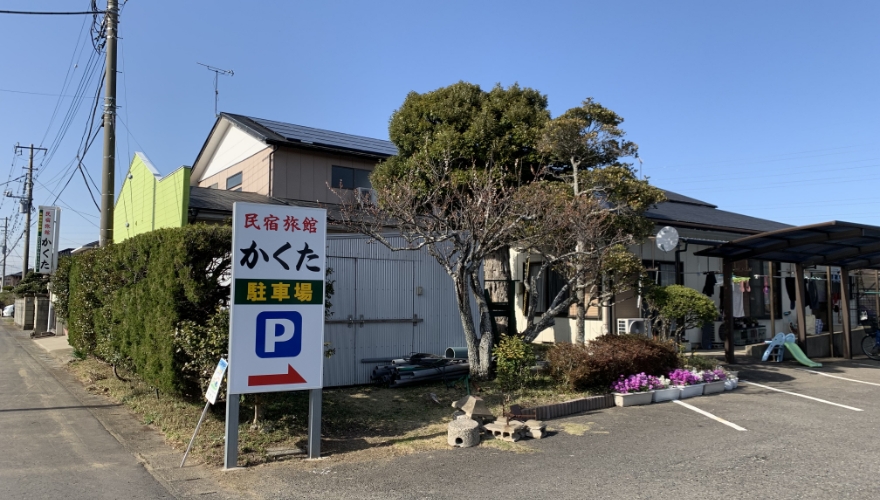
{"x":837,"y":244}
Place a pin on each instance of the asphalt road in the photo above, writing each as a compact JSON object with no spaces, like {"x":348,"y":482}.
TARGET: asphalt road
{"x":792,"y":447}
{"x":817,"y":439}
{"x":51,"y":444}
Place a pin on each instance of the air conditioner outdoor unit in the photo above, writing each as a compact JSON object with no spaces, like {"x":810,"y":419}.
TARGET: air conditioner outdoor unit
{"x":633,"y":325}
{"x":366,"y":196}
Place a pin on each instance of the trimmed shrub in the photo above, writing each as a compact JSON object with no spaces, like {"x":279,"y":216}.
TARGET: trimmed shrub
{"x":514,"y":359}
{"x":126,"y":302}
{"x":203,"y":345}
{"x":32,"y":284}
{"x":600,"y":362}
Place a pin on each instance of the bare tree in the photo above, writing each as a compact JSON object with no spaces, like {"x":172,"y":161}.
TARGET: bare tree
{"x":583,"y":239}
{"x":459,"y":215}
{"x":580,"y":140}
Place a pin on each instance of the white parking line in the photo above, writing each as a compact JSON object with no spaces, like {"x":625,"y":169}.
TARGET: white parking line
{"x":835,"y":376}
{"x":713,"y":417}
{"x":800,"y":395}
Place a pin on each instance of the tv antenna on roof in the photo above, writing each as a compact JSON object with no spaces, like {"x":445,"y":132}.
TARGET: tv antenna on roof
{"x":217,"y":73}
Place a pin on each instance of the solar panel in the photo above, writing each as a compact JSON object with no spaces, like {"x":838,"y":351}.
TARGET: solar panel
{"x":316,"y":136}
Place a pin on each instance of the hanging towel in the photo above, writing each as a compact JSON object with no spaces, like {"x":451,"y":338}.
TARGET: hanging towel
{"x":813,"y":295}
{"x":709,"y":287}
{"x":738,"y":311}
{"x":790,"y":288}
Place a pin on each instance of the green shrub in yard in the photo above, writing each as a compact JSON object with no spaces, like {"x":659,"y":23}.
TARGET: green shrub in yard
{"x":514,"y":359}
{"x":126,"y":303}
{"x":202,"y":345}
{"x":600,"y":362}
{"x":32,"y":284}
{"x":697,"y":362}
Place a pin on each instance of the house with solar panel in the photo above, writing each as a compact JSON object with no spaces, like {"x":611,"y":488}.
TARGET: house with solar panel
{"x":283,"y":160}
{"x":389,"y":304}
{"x":386,"y":304}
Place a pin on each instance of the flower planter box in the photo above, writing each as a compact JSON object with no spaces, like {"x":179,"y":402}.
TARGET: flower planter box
{"x":670,"y":394}
{"x":633,"y":399}
{"x":713,"y":387}
{"x":689,"y":391}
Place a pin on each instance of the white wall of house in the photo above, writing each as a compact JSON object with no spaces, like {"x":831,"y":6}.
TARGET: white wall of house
{"x":234,"y":147}
{"x":694,"y":269}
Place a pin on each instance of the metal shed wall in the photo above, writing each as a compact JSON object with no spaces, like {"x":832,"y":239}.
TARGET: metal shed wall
{"x":385,"y":284}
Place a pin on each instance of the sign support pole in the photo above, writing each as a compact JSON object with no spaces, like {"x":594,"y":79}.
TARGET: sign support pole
{"x":315,"y":396}
{"x":193,"y":440}
{"x":231,"y":452}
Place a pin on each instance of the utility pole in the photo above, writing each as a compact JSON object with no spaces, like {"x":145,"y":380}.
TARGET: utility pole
{"x":5,"y":228}
{"x":28,"y":201}
{"x":108,"y":184}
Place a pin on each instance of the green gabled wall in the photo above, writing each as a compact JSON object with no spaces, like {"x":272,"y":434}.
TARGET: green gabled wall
{"x":148,"y":201}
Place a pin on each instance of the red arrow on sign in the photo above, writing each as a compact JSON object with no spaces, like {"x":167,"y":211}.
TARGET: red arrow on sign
{"x":291,"y":377}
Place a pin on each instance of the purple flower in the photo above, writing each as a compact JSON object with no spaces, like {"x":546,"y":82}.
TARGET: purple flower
{"x":635,"y":383}
{"x":684,"y":377}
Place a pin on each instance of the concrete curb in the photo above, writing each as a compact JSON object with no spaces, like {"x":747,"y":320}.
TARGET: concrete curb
{"x":571,"y":407}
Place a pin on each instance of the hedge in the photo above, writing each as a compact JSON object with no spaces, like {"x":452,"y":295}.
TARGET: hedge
{"x":127,"y":303}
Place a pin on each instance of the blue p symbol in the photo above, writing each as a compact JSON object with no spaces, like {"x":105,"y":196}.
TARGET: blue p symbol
{"x":279,"y":334}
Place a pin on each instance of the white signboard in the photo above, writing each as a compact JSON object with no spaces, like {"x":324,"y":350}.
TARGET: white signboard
{"x":276,"y":334}
{"x":47,"y":240}
{"x":216,"y":380}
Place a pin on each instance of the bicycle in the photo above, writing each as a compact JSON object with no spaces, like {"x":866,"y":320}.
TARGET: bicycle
{"x":871,"y":340}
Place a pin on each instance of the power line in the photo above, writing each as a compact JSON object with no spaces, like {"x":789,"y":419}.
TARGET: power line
{"x":770,"y":158}
{"x":43,"y":13}
{"x":38,"y":93}
{"x":70,"y":66}
{"x":798,"y":171}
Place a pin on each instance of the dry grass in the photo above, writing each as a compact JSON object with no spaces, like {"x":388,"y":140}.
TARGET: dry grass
{"x":359,"y":423}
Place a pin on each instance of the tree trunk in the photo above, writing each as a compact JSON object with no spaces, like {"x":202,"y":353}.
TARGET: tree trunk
{"x":487,"y":337}
{"x":497,"y":275}
{"x":579,"y":295}
{"x":462,"y":297}
{"x":606,"y":307}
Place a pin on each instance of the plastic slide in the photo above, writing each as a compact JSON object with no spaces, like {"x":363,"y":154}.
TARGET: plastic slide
{"x":775,"y":348}
{"x":798,"y":353}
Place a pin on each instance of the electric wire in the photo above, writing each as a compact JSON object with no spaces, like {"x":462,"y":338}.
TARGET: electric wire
{"x":37,"y":93}
{"x":44,"y":13}
{"x":64,"y":85}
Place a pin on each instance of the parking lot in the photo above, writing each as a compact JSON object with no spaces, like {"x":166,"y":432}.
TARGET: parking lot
{"x":786,"y":432}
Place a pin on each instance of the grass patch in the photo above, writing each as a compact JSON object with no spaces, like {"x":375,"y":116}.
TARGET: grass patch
{"x":359,"y":423}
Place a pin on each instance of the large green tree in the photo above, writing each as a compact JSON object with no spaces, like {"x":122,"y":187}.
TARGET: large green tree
{"x":587,"y":148}
{"x":462,"y":153}
{"x":478,"y":173}
{"x":464,"y":127}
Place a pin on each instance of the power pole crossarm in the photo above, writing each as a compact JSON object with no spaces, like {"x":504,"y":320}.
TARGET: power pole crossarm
{"x":28,"y":203}
{"x":108,"y":169}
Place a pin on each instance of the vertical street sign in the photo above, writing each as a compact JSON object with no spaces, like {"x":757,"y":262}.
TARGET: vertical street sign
{"x":276,"y":316}
{"x":47,"y":240}
{"x":276,"y":336}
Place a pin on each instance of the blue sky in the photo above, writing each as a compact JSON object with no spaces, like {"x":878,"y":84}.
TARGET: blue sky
{"x":764,"y":108}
